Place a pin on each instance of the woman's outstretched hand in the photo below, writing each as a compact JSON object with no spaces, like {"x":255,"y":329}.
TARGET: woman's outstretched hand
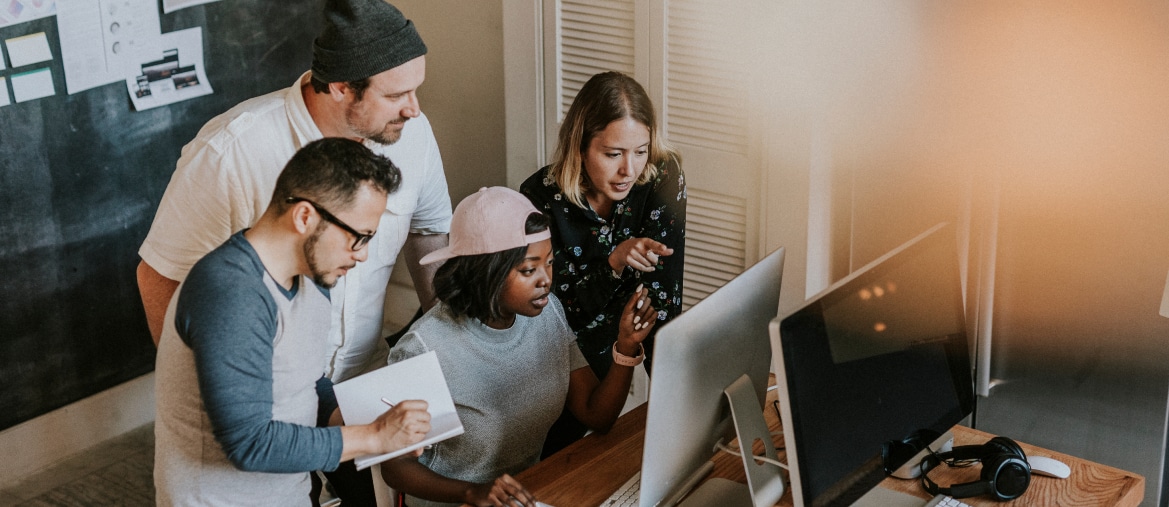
{"x":642,"y":254}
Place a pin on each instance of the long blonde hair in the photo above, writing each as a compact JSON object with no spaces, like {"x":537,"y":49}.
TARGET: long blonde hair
{"x":605,"y":98}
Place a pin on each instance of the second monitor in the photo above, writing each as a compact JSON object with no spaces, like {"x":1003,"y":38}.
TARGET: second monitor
{"x":879,"y":357}
{"x":697,"y":356}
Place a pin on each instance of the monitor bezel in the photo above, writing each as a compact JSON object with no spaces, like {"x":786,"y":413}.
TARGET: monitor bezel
{"x":963,"y":382}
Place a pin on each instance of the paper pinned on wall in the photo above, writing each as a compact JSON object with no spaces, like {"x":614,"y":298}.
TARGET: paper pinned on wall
{"x":3,"y":92}
{"x":169,"y":6}
{"x":19,"y":11}
{"x":170,"y":71}
{"x":417,"y":378}
{"x":29,"y":49}
{"x":33,"y":84}
{"x":98,"y":37}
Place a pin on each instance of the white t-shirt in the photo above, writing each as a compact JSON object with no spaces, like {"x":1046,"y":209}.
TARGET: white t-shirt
{"x":224,"y":180}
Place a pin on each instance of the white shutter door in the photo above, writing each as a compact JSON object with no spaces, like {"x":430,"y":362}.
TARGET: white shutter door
{"x":706,"y":117}
{"x":716,"y":242}
{"x":701,"y":101}
{"x":594,"y":37}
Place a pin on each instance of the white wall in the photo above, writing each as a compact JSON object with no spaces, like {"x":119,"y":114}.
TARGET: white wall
{"x":463,"y":98}
{"x":463,"y":92}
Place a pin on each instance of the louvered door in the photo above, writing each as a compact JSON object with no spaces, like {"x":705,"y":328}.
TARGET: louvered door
{"x":688,"y":54}
{"x":594,"y":37}
{"x":705,"y":117}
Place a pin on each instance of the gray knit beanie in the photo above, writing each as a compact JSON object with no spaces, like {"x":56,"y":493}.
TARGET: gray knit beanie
{"x":363,"y":38}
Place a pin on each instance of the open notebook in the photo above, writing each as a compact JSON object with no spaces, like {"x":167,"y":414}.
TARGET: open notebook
{"x":417,"y":378}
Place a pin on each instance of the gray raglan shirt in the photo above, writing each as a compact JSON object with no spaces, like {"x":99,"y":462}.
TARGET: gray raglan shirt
{"x":235,"y":386}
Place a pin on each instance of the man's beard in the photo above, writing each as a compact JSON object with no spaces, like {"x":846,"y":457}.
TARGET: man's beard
{"x":319,"y":276}
{"x":385,"y":136}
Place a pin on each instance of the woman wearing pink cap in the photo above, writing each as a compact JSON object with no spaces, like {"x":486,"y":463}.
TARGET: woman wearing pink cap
{"x":508,"y":355}
{"x":616,"y":195}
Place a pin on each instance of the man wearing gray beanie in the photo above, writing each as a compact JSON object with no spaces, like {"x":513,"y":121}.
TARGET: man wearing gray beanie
{"x":368,"y":63}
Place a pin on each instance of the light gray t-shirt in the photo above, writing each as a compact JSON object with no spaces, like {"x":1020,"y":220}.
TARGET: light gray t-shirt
{"x":508,"y":385}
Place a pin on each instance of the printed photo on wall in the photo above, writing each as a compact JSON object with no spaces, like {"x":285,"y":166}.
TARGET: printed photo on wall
{"x":172,"y":74}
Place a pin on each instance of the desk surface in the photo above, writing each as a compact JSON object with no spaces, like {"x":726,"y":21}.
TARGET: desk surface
{"x":588,"y":471}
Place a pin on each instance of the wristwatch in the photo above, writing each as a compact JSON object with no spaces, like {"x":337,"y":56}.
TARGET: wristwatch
{"x":625,"y":360}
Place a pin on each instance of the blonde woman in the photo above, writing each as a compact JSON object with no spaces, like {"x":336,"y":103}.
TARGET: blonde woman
{"x":616,"y":195}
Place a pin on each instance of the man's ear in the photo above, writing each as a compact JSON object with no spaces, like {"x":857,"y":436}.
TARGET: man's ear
{"x":301,"y":216}
{"x":338,"y":91}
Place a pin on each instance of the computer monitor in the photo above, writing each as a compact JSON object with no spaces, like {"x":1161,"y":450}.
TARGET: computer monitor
{"x":696,"y":356}
{"x":869,"y":362}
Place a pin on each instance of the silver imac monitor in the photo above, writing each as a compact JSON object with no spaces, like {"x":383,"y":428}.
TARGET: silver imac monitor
{"x":876,"y":360}
{"x":696,"y":356}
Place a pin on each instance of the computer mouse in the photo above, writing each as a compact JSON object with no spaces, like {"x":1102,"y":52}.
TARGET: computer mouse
{"x":1048,"y":466}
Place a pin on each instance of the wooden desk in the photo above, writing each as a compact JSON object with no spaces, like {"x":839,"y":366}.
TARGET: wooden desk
{"x":587,"y":472}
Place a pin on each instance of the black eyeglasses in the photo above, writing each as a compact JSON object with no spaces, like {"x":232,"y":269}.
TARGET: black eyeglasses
{"x":359,"y":239}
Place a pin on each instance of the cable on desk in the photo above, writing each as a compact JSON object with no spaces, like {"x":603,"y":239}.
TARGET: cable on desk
{"x":735,"y":452}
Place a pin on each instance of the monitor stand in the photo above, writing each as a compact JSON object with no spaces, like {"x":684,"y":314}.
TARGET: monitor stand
{"x":911,"y":469}
{"x":881,"y":497}
{"x":764,"y":481}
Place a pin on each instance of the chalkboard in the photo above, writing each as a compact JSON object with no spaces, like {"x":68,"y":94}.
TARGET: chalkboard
{"x":80,"y":179}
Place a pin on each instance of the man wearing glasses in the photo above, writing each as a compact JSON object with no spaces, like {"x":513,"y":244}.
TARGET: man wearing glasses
{"x":368,"y":63}
{"x":239,"y":357}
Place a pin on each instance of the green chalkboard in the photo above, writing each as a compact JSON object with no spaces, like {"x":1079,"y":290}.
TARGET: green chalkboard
{"x":80,"y":178}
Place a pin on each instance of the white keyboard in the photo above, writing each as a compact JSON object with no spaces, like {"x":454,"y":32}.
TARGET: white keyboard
{"x":946,"y":501}
{"x":627,"y":494}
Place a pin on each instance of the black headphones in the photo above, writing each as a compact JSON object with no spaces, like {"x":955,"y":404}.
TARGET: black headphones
{"x":1005,"y":471}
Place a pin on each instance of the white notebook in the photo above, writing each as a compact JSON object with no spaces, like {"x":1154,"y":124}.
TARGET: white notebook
{"x":417,"y":378}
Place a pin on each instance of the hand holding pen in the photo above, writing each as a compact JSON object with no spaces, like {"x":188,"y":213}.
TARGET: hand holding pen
{"x":404,"y":424}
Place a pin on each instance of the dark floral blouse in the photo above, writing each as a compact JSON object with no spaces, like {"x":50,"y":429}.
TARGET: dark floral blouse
{"x":593,"y":297}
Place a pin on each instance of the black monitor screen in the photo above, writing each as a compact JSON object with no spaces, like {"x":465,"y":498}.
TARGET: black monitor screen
{"x":877,"y":357}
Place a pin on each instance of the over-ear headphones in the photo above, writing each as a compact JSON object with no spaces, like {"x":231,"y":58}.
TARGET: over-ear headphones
{"x":1005,"y":471}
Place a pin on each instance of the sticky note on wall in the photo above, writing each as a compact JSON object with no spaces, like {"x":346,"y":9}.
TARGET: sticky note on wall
{"x":29,"y":49}
{"x":33,"y":84}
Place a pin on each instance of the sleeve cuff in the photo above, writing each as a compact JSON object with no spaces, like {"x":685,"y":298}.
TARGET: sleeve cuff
{"x":336,"y":444}
{"x":165,"y":268}
{"x":431,"y":226}
{"x":430,"y":231}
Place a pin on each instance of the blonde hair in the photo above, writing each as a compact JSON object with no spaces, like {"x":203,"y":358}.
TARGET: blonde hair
{"x":604,"y":99}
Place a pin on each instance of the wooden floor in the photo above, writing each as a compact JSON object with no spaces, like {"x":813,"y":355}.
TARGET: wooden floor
{"x":115,"y":473}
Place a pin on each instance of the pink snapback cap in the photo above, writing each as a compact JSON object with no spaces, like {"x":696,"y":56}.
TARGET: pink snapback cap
{"x":488,"y":221}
